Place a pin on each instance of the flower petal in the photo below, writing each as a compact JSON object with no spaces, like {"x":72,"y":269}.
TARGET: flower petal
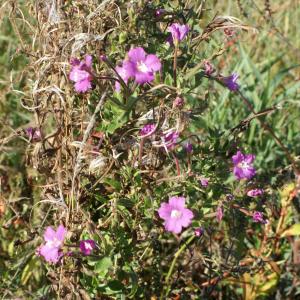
{"x":137,"y":54}
{"x":153,"y":62}
{"x":51,"y":254}
{"x":164,"y":211}
{"x":238,"y":157}
{"x":88,"y":61}
{"x":177,"y":202}
{"x":141,"y":77}
{"x":186,"y":218}
{"x":49,"y":234}
{"x":173,"y":225}
{"x":83,"y":86}
{"x":61,"y":232}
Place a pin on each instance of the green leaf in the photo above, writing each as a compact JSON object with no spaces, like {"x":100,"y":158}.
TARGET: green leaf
{"x":103,"y":265}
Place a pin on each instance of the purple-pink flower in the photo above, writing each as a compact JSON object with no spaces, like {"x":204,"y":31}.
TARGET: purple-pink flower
{"x":198,"y":231}
{"x":141,"y":66}
{"x":87,"y":246}
{"x":170,"y":139}
{"x":178,"y":102}
{"x":255,"y":193}
{"x":178,"y":32}
{"x":175,"y":215}
{"x":81,"y":74}
{"x":258,"y":217}
{"x":188,"y":146}
{"x":231,"y":83}
{"x":34,"y":134}
{"x":243,"y":165}
{"x":51,"y":250}
{"x":208,"y":68}
{"x":204,"y":181}
{"x":159,"y":12}
{"x":147,"y":130}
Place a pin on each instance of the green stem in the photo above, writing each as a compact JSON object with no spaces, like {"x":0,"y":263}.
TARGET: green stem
{"x":170,"y":272}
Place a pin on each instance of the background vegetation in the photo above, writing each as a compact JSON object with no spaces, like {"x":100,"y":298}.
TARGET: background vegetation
{"x":110,"y":197}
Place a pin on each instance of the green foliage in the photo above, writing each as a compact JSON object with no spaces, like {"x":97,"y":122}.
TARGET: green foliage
{"x":51,"y":181}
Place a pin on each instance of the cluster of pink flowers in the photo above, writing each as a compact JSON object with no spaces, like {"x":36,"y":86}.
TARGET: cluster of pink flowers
{"x":244,"y":169}
{"x":142,"y":67}
{"x":52,"y":251}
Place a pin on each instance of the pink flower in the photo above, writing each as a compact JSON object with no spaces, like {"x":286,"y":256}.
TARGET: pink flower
{"x":141,"y":66}
{"x":204,"y":181}
{"x":160,"y":12}
{"x":258,"y":217}
{"x":175,"y":215}
{"x":81,"y":74}
{"x":178,"y":102}
{"x":255,"y":193}
{"x":188,"y":146}
{"x":170,"y":139}
{"x":34,"y":134}
{"x":198,"y":231}
{"x":51,"y":250}
{"x":243,"y":165}
{"x":219,"y":213}
{"x":208,"y":68}
{"x":147,"y":130}
{"x":87,"y":246}
{"x":178,"y":32}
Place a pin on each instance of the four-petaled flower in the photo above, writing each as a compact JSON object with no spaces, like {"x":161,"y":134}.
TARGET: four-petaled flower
{"x":87,"y":246}
{"x":231,"y":83}
{"x":81,"y":74}
{"x":51,"y":250}
{"x":258,"y":217}
{"x":243,"y":165}
{"x":178,"y":32}
{"x":175,"y":214}
{"x":255,"y":193}
{"x":141,"y":66}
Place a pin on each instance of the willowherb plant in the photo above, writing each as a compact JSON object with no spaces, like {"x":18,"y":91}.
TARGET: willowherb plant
{"x":150,"y":199}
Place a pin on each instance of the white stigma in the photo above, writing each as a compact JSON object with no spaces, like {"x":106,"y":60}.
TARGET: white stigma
{"x":88,"y":246}
{"x":243,"y":165}
{"x":142,"y":67}
{"x":175,"y":214}
{"x":54,"y":243}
